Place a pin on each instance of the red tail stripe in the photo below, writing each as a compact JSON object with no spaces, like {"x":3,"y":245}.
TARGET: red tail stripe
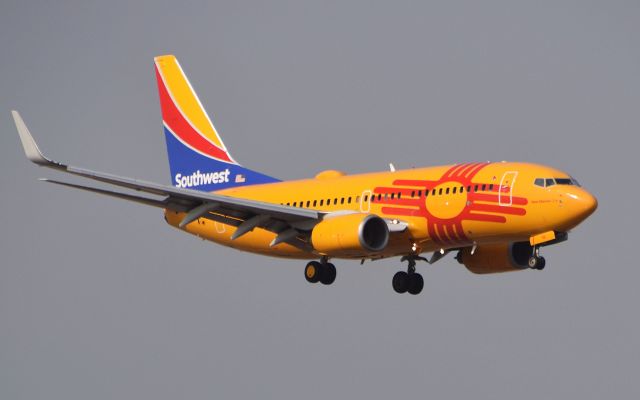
{"x":182,"y":128}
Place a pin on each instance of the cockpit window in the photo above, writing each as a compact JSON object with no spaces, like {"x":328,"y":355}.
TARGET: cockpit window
{"x":547,"y":182}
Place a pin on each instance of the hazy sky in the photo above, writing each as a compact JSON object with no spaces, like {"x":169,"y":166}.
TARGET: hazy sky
{"x":100,"y":299}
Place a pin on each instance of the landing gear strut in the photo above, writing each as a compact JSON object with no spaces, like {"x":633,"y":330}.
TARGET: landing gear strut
{"x":536,"y":261}
{"x":409,"y":281}
{"x":323,"y":272}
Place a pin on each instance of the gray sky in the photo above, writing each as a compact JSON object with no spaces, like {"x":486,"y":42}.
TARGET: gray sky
{"x":101,"y":299}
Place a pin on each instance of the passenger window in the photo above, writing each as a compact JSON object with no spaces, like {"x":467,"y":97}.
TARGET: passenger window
{"x":433,"y":192}
{"x":392,"y":194}
{"x":342,"y":200}
{"x":475,"y":189}
{"x":549,"y":182}
{"x":440,"y":192}
{"x":420,"y":193}
{"x":491,"y":187}
{"x":426,"y":193}
{"x":335,"y":201}
{"x":461,"y":189}
{"x":454,"y":190}
{"x":294,"y":204}
{"x":469,"y":188}
{"x":366,"y":198}
{"x":321,"y":202}
{"x":315,"y":202}
{"x":379,"y":196}
{"x":484,"y":187}
{"x":399,"y":195}
{"x":413,"y":193}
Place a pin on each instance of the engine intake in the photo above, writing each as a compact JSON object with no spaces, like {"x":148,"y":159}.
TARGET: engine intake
{"x":351,"y":235}
{"x":495,"y":258}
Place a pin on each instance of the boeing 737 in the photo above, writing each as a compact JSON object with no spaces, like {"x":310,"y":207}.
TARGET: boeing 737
{"x":495,"y":216}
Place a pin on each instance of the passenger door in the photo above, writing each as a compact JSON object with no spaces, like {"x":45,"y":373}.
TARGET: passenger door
{"x":505,"y":190}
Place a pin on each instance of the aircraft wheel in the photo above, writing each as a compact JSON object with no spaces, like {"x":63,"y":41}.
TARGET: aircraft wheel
{"x":313,"y":271}
{"x":328,"y":275}
{"x":534,"y":262}
{"x":541,"y":263}
{"x":416,"y":283}
{"x":400,"y":282}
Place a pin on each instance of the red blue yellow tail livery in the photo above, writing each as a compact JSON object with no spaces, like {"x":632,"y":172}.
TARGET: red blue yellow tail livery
{"x":198,"y":158}
{"x":496,"y":217}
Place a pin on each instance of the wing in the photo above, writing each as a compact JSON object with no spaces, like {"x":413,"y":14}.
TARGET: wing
{"x":291,"y":224}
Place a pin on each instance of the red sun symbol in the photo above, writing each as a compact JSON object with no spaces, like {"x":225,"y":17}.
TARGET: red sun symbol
{"x":448,"y":202}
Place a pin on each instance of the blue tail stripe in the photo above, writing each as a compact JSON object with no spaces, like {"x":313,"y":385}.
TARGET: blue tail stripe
{"x":192,"y":170}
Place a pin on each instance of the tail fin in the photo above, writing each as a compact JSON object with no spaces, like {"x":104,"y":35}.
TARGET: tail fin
{"x":197,"y":157}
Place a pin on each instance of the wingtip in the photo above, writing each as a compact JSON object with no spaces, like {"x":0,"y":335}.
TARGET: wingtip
{"x":29,"y":145}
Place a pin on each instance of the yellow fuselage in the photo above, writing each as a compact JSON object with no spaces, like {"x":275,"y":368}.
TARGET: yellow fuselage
{"x":444,"y":207}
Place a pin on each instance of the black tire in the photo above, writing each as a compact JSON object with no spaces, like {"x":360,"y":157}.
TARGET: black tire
{"x":541,"y":263}
{"x":400,"y":282}
{"x":416,"y":283}
{"x":313,"y":271}
{"x":328,"y":274}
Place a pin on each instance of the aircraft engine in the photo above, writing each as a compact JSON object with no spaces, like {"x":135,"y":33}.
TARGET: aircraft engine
{"x":351,"y":235}
{"x":494,"y":258}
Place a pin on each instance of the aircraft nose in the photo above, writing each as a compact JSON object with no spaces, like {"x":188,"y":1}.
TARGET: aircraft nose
{"x":582,"y":202}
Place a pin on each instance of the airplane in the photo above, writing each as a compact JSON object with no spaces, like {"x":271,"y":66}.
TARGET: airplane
{"x":496,"y":216}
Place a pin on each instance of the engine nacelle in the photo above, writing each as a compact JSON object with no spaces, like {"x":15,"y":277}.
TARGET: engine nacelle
{"x":495,"y":258}
{"x":351,"y":235}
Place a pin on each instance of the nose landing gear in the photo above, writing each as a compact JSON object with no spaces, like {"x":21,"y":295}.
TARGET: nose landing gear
{"x":410,"y":281}
{"x":536,"y":261}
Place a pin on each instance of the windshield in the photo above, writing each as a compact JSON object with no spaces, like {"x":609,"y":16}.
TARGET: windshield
{"x":548,"y":182}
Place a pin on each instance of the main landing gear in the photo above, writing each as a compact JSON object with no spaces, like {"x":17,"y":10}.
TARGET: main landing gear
{"x":410,"y":281}
{"x":536,"y":261}
{"x":323,"y":272}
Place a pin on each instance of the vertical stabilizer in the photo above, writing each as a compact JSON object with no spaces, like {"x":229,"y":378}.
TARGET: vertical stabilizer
{"x":198,"y":158}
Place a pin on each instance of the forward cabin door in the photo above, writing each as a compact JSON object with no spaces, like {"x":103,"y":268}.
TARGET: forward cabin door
{"x":365,"y":201}
{"x":505,"y":191}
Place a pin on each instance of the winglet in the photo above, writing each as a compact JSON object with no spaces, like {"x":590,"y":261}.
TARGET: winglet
{"x":29,"y":145}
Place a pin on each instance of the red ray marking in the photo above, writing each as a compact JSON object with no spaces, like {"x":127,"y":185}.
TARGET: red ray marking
{"x":412,"y":182}
{"x":452,"y":233}
{"x":486,"y":218}
{"x":383,"y":190}
{"x":401,"y":211}
{"x":499,"y":209}
{"x":475,"y":170}
{"x":468,"y":168}
{"x":453,"y":171}
{"x":431,"y":228}
{"x":399,"y":202}
{"x":519,"y":201}
{"x":443,"y":233}
{"x":180,"y":127}
{"x":457,"y":228}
